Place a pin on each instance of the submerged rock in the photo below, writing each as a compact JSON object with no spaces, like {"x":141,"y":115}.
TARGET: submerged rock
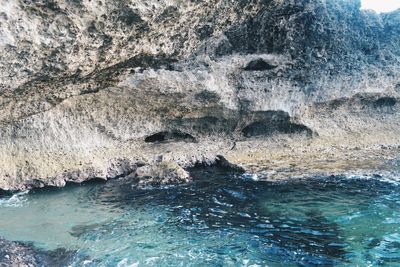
{"x":92,"y":89}
{"x":24,"y":255}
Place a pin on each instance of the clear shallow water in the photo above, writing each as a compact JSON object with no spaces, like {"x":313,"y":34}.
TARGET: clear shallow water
{"x":221,"y":219}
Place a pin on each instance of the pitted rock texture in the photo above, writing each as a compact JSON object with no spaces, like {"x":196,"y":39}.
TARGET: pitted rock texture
{"x":96,"y":89}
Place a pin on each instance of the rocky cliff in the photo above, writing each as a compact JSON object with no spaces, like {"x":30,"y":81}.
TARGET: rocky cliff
{"x":103,"y":89}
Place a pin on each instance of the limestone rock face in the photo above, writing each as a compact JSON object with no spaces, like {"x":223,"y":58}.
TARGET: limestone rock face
{"x":93,"y":89}
{"x":164,"y":173}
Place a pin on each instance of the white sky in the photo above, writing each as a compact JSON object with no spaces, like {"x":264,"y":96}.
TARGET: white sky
{"x":381,"y":5}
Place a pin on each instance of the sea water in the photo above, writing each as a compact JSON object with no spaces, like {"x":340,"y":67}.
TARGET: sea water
{"x":219,"y":219}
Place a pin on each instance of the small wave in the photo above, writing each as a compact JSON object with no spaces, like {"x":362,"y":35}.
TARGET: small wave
{"x":383,"y":176}
{"x":251,"y":176}
{"x":15,"y":201}
{"x":124,"y":263}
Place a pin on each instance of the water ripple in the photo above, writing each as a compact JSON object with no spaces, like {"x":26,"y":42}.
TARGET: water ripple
{"x":217,"y":220}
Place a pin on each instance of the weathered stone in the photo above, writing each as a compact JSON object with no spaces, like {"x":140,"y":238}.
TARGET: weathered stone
{"x":164,"y":173}
{"x":25,"y":255}
{"x":93,"y":89}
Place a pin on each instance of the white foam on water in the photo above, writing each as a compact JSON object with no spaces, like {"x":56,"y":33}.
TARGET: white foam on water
{"x":383,"y":176}
{"x":250,"y":176}
{"x":386,"y":178}
{"x":15,"y":201}
{"x":124,"y":263}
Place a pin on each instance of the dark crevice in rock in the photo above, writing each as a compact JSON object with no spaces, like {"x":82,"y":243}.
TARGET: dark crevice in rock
{"x":208,"y":97}
{"x":224,"y":163}
{"x":259,"y":65}
{"x":90,"y":91}
{"x":274,"y":122}
{"x":157,"y":137}
{"x":144,"y":61}
{"x":169,"y":136}
{"x":267,"y":129}
{"x":221,"y":165}
{"x":385,"y":102}
{"x":3,"y":193}
{"x":371,"y":102}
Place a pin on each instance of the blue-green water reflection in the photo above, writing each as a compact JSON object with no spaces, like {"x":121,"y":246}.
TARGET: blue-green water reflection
{"x":221,"y":219}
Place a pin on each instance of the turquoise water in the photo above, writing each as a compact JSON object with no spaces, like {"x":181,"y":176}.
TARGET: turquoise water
{"x":221,"y":219}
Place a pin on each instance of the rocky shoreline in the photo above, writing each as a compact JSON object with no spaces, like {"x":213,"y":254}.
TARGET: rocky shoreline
{"x":150,"y":88}
{"x":26,"y":255}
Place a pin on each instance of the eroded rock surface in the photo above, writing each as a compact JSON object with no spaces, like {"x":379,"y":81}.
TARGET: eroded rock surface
{"x":93,"y":89}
